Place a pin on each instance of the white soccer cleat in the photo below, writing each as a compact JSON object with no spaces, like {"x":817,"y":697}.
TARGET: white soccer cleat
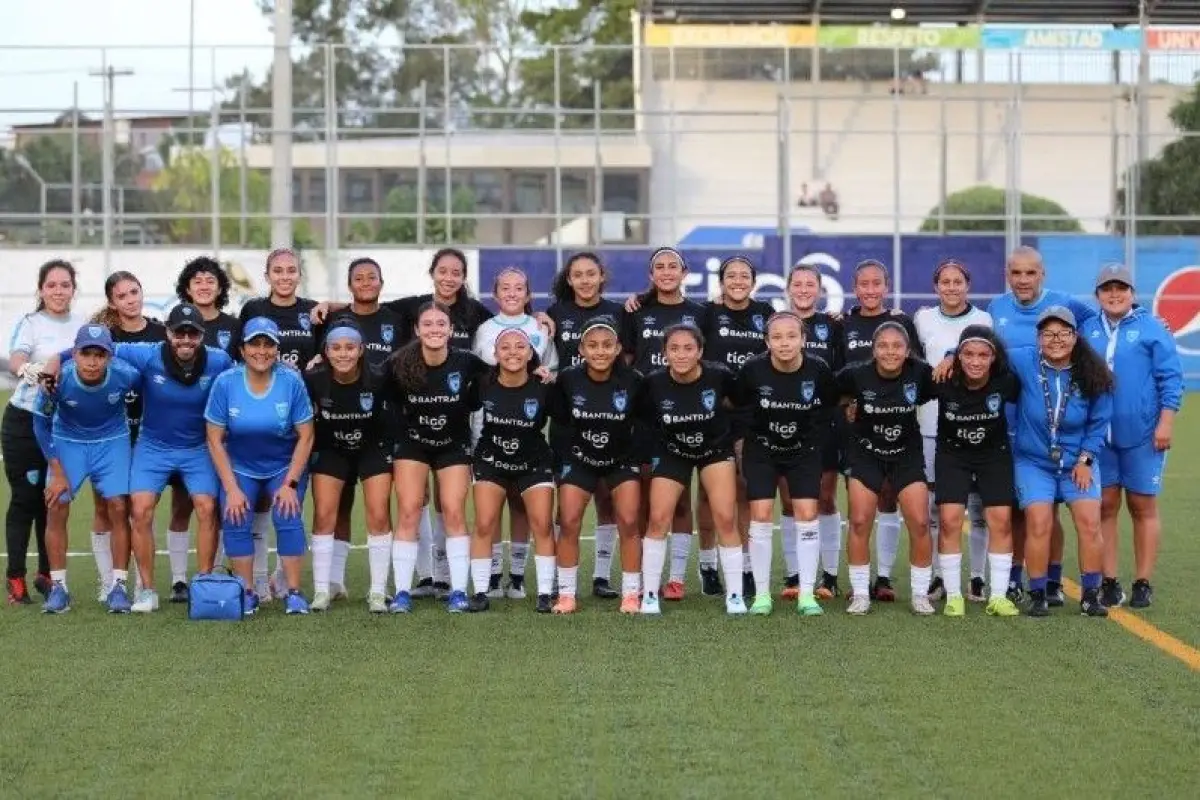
{"x":650,"y":605}
{"x":921,"y":605}
{"x":377,"y":603}
{"x":146,"y":603}
{"x":320,"y":602}
{"x":860,"y":605}
{"x":735,"y":606}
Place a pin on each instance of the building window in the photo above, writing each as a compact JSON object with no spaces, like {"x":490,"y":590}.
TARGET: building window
{"x":315,"y":192}
{"x":530,"y":195}
{"x":358,"y":191}
{"x":298,"y":191}
{"x":392,"y":179}
{"x":622,"y":192}
{"x":574,"y":197}
{"x":487,"y":186}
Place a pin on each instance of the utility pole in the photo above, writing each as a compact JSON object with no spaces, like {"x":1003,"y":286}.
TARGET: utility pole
{"x":110,"y":75}
{"x":281,"y":127}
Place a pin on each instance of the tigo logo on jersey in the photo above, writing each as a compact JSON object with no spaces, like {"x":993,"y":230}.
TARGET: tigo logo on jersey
{"x":1177,"y":302}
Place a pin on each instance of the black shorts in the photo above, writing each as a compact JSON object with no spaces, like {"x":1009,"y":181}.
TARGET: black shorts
{"x":833,"y":454}
{"x":679,"y":469}
{"x":762,"y":472}
{"x":644,"y":437}
{"x":959,"y":473}
{"x":539,"y":473}
{"x":873,"y":472}
{"x":352,"y":466}
{"x":457,"y":454}
{"x":573,"y":472}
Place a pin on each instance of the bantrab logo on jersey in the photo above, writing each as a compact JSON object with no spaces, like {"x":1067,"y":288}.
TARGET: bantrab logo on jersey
{"x":454,"y":382}
{"x":531,"y":408}
{"x":910,"y":392}
{"x":758,"y":321}
{"x":386,"y":332}
{"x":224,"y":338}
{"x":305,"y":322}
{"x":993,"y":403}
{"x":366,"y":401}
{"x":620,"y":400}
{"x":807,"y":390}
{"x":821,"y":331}
{"x":709,"y":398}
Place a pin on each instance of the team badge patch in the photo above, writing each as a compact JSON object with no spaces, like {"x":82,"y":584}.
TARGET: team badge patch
{"x":821,"y":331}
{"x":113,"y":397}
{"x":281,"y":409}
{"x":454,"y":382}
{"x":620,"y":400}
{"x":386,"y":332}
{"x":531,"y":408}
{"x":709,"y":398}
{"x":33,"y":476}
{"x":993,"y":403}
{"x":688,"y":319}
{"x":910,"y":392}
{"x":305,"y":322}
{"x":204,"y":382}
{"x":758,"y":321}
{"x":1132,"y":336}
{"x":366,"y":400}
{"x":95,"y":330}
{"x":807,"y":390}
{"x":224,"y":338}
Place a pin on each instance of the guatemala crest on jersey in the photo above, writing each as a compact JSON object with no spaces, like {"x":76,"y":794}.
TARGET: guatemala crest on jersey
{"x":366,"y":401}
{"x":386,"y":332}
{"x":822,"y":332}
{"x":620,"y":400}
{"x":454,"y":382}
{"x":113,"y":397}
{"x":224,"y":338}
{"x":910,"y":392}
{"x":709,"y":399}
{"x":1132,"y":336}
{"x":807,"y":390}
{"x":305,"y":322}
{"x":281,"y":410}
{"x":993,"y":403}
{"x":687,"y":319}
{"x":758,"y":321}
{"x":531,"y":408}
{"x":204,"y":382}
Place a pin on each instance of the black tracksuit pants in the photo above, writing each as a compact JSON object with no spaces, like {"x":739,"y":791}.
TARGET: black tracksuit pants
{"x":25,"y":468}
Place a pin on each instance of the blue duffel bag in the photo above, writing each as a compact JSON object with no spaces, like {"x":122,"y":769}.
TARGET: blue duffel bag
{"x":215,"y":596}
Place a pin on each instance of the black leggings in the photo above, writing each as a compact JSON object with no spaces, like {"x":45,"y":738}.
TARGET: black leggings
{"x":25,"y":468}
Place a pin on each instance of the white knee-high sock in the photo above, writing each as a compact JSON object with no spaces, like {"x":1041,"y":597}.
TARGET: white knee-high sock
{"x":681,"y":551}
{"x":731,"y":565}
{"x":654,"y":556}
{"x":379,"y":550}
{"x":425,"y":546}
{"x":404,"y":562}
{"x":458,"y":558}
{"x":337,"y":569}
{"x":322,"y":561}
{"x":808,"y":554}
{"x":1000,"y":565}
{"x":829,"y":527}
{"x":518,"y":553}
{"x":102,"y":552}
{"x":259,"y":529}
{"x":177,"y":555}
{"x":498,"y":558}
{"x":606,"y":543}
{"x":887,"y":543}
{"x":979,"y":536}
{"x":787,"y":536}
{"x":935,"y":531}
{"x":951,"y":572}
{"x":545,"y":567}
{"x":762,"y":539}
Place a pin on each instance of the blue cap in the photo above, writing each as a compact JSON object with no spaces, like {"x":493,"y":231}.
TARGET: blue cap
{"x":261,"y":326}
{"x":1060,"y":313}
{"x":94,"y":336}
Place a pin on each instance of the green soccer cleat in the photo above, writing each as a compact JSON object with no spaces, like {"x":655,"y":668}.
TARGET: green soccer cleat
{"x":807,"y":606}
{"x":956,"y":606}
{"x":377,"y":603}
{"x":762,"y":606}
{"x":1002,"y":607}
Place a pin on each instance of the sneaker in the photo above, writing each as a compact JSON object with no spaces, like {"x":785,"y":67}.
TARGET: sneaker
{"x":42,"y":584}
{"x":630,"y":603}
{"x":294,"y":603}
{"x":1038,"y":605}
{"x":922,"y":607}
{"x":807,"y":606}
{"x":377,"y":603}
{"x":1054,"y":595}
{"x":320,"y":601}
{"x":424,"y":588}
{"x":179,"y":592}
{"x":791,"y":588}
{"x":1015,"y":593}
{"x":749,"y":590}
{"x":1001,"y":606}
{"x":478,"y":603}
{"x":102,"y":590}
{"x":146,"y":603}
{"x":18,"y":592}
{"x":882,"y":590}
{"x":735,"y":606}
{"x":495,"y":586}
{"x":603,"y":589}
{"x":977,"y":591}
{"x":456,"y":603}
{"x":828,"y":588}
{"x":118,"y":599}
{"x":565,"y":605}
{"x":401,"y":603}
{"x":1111,"y":593}
{"x":58,"y":602}
{"x":1143,"y":594}
{"x":710,"y":583}
{"x":545,"y":604}
{"x":673,"y":591}
{"x":252,"y":602}
{"x":1090,"y":604}
{"x":956,"y":606}
{"x":516,"y":587}
{"x":441,"y":590}
{"x":650,"y":607}
{"x":859,"y":605}
{"x":762,"y":605}
{"x":338,"y":592}
{"x":936,"y":590}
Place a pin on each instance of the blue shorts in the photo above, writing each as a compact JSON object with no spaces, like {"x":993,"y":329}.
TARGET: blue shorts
{"x":154,"y":464}
{"x":1037,"y":483}
{"x":289,"y":531}
{"x":104,"y":463}
{"x":1137,"y":469}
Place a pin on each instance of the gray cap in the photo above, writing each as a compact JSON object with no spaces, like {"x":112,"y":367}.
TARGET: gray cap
{"x":1060,"y":313}
{"x":1114,"y":273}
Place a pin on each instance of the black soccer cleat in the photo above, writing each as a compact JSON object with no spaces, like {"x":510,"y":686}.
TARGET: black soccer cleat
{"x":1054,"y":594}
{"x":1111,"y":593}
{"x":978,"y":591}
{"x":1143,"y":594}
{"x":603,"y":589}
{"x":1015,"y":592}
{"x":827,"y":589}
{"x":936,"y":590}
{"x":882,"y":590}
{"x":710,"y":582}
{"x":441,"y":590}
{"x":545,"y":604}
{"x":43,"y":584}
{"x":749,"y":589}
{"x":1090,"y":605}
{"x":1038,"y":606}
{"x":478,"y":603}
{"x":179,"y":592}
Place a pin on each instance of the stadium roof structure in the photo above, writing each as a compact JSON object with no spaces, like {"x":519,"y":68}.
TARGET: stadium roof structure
{"x":1040,"y":12}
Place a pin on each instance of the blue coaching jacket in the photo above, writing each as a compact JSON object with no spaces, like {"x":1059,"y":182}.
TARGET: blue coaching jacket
{"x":1084,"y":422}
{"x":1149,"y":377}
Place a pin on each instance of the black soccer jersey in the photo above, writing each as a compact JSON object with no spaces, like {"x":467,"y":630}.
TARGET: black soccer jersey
{"x":347,"y":417}
{"x":643,"y":331}
{"x":688,"y":418}
{"x":298,"y":340}
{"x":733,"y":337}
{"x":859,"y":332}
{"x":789,"y":412}
{"x":381,"y":332}
{"x":438,"y":413}
{"x":511,"y":438}
{"x":569,"y":320}
{"x":825,"y":339}
{"x":224,"y":333}
{"x":885,"y":422}
{"x":465,"y":318}
{"x":154,"y":331}
{"x":596,"y":419}
{"x":974,"y":419}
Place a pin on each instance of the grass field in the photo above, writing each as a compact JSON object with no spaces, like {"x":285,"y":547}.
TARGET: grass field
{"x":599,"y":705}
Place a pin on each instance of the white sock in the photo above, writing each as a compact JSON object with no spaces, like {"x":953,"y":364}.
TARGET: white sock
{"x":919,"y":578}
{"x":404,"y":562}
{"x":322,"y":561}
{"x":935,"y":530}
{"x":120,"y":575}
{"x":337,"y":571}
{"x":887,"y":543}
{"x":979,"y":536}
{"x":59,"y":576}
{"x":497,"y":564}
{"x":681,"y":551}
{"x":379,"y":548}
{"x":631,"y":583}
{"x":762,"y":537}
{"x":518,"y":553}
{"x":951,"y":572}
{"x":654,"y":556}
{"x":829,"y":528}
{"x":787,"y":535}
{"x":808,"y":554}
{"x":424,"y":546}
{"x":606,"y":543}
{"x":1001,"y":566}
{"x":102,"y":550}
{"x":860,"y":579}
{"x":441,"y":567}
{"x":458,"y":559}
{"x":481,"y":574}
{"x":177,"y":555}
{"x":568,"y":581}
{"x":545,"y":567}
{"x":259,"y":529}
{"x":731,"y":565}
{"x":708,"y":559}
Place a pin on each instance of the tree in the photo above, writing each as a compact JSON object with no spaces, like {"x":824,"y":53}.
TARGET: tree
{"x":988,"y":208}
{"x":400,"y":225}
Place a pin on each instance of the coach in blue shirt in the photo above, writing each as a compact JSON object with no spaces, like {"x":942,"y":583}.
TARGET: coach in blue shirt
{"x":260,"y":436}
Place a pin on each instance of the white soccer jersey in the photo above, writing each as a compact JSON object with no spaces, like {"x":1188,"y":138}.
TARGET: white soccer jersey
{"x":939,"y":334}
{"x":39,"y":336}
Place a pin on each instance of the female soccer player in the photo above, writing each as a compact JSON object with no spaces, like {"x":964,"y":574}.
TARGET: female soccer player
{"x":205,"y":285}
{"x":433,"y":385}
{"x":50,"y":328}
{"x":1139,"y":349}
{"x":513,"y":457}
{"x":594,"y":407}
{"x":871,"y":290}
{"x":578,"y":293}
{"x":353,"y":442}
{"x":692,"y":431}
{"x":939,"y":330}
{"x":824,"y":339}
{"x":973,"y":459}
{"x":260,"y":436}
{"x":884,"y":449}
{"x":1063,"y":415}
{"x":84,"y":434}
{"x":790,"y":399}
{"x":647,"y":318}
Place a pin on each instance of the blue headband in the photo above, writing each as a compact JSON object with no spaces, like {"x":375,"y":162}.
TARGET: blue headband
{"x":344,"y":332}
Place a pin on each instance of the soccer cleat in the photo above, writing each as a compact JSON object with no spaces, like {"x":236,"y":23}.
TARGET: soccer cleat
{"x":516,"y":587}
{"x":102,"y":592}
{"x":424,"y":588}
{"x":807,"y":606}
{"x":59,"y":602}
{"x":1015,"y":593}
{"x":749,"y":590}
{"x":673,"y":591}
{"x":882,"y":590}
{"x":18,"y":592}
{"x":1001,"y":606}
{"x":1111,"y":593}
{"x":495,"y":586}
{"x":377,"y":603}
{"x":631,"y":603}
{"x":936,"y":590}
{"x":762,"y":605}
{"x":735,"y":606}
{"x":1038,"y":606}
{"x":441,"y":590}
{"x":710,"y":584}
{"x":401,"y":603}
{"x":42,"y":584}
{"x":650,"y":607}
{"x":338,"y":592}
{"x":956,"y":606}
{"x":320,"y":601}
{"x":791,"y":588}
{"x":1054,"y":595}
{"x":565,"y":605}
{"x":976,"y":593}
{"x":146,"y":603}
{"x":828,"y":588}
{"x":1090,"y":605}
{"x":179,"y":592}
{"x":294,"y":603}
{"x":545,"y":604}
{"x":1143,"y":594}
{"x":603,"y":589}
{"x":457,"y":602}
{"x":859,"y":605}
{"x":251,"y":603}
{"x":922,"y":607}
{"x":118,"y":599}
{"x":478,"y":603}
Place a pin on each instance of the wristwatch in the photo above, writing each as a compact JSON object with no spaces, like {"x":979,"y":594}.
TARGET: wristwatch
{"x":294,"y":484}
{"x":1086,"y":458}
